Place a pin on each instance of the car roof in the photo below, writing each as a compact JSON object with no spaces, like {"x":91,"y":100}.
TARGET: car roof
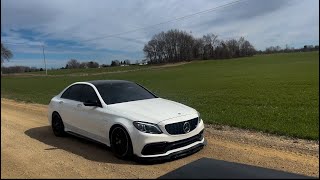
{"x":102,"y":82}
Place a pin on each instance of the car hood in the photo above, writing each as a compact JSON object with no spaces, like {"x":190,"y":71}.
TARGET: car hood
{"x":152,"y":110}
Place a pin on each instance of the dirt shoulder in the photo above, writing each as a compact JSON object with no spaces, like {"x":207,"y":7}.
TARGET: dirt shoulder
{"x":30,"y":150}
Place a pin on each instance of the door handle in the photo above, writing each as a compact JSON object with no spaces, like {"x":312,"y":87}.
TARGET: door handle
{"x":60,"y":102}
{"x":79,"y":105}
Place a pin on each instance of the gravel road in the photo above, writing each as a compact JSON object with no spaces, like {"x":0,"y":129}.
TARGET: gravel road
{"x":30,"y":150}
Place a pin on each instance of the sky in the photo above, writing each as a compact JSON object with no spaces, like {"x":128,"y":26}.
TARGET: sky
{"x":105,"y":30}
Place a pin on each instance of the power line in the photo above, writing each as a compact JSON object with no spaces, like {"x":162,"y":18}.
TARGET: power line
{"x":10,"y":43}
{"x":165,"y":22}
{"x":146,"y":27}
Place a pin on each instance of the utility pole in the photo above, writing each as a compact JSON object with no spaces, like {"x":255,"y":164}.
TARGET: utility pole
{"x":44,"y":59}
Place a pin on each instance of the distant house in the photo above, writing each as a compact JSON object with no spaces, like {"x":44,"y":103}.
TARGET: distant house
{"x":143,"y":62}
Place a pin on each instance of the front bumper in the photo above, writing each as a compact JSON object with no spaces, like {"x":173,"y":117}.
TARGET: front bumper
{"x":167,"y":144}
{"x":174,"y":155}
{"x":164,"y":147}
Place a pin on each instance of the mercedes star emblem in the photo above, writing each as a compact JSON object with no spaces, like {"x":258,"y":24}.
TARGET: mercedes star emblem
{"x":186,"y":127}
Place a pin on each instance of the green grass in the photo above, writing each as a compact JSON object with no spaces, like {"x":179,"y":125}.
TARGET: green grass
{"x":272,"y":93}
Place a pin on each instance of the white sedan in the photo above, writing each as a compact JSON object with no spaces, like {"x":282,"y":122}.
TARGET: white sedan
{"x":128,"y":118}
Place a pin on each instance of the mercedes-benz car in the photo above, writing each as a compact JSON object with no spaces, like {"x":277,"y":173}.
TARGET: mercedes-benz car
{"x":128,"y":118}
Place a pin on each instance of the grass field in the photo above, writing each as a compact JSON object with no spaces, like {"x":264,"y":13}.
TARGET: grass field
{"x":272,"y":93}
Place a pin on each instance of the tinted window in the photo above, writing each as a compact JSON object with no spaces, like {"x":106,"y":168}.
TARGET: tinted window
{"x":113,"y":93}
{"x":88,"y":94}
{"x":73,"y":93}
{"x":65,"y":94}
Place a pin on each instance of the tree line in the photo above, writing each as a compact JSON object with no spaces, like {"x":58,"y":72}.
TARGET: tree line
{"x":75,"y":64}
{"x":288,"y":49}
{"x":19,"y":69}
{"x":119,"y":63}
{"x":175,"y":46}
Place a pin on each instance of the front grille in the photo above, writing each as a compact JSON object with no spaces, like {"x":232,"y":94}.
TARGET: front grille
{"x":177,"y":128}
{"x":163,"y":147}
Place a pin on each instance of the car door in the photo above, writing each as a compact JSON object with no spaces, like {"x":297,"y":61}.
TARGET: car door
{"x":91,"y":118}
{"x":69,"y":107}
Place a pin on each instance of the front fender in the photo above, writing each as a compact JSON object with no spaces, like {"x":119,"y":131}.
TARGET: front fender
{"x":125,"y":123}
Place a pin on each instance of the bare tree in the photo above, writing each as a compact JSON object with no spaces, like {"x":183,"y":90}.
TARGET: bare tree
{"x":115,"y":63}
{"x":73,"y":64}
{"x":198,"y":48}
{"x":6,"y":54}
{"x":175,"y":45}
{"x":92,"y":64}
{"x":127,"y":61}
{"x":241,"y":47}
{"x":233,"y":47}
{"x":83,"y":65}
{"x":172,"y":46}
{"x":248,"y":49}
{"x":210,"y":43}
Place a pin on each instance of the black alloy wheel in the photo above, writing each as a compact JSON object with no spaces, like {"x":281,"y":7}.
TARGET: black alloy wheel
{"x":120,"y":143}
{"x":57,"y":126}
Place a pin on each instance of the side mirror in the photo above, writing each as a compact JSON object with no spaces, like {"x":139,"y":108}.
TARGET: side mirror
{"x":92,"y":103}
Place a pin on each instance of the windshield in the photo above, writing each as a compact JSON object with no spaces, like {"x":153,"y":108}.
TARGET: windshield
{"x":113,"y":93}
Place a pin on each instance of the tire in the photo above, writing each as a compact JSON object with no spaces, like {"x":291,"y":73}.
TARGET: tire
{"x":121,"y":143}
{"x":57,"y":126}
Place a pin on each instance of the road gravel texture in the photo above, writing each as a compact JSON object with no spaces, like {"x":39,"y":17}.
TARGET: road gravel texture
{"x":30,"y":150}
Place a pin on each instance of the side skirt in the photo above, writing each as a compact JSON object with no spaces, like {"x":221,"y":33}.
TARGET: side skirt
{"x":86,"y":138}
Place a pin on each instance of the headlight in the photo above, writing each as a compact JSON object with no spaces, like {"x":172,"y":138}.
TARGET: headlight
{"x":199,"y":118}
{"x":147,"y":127}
